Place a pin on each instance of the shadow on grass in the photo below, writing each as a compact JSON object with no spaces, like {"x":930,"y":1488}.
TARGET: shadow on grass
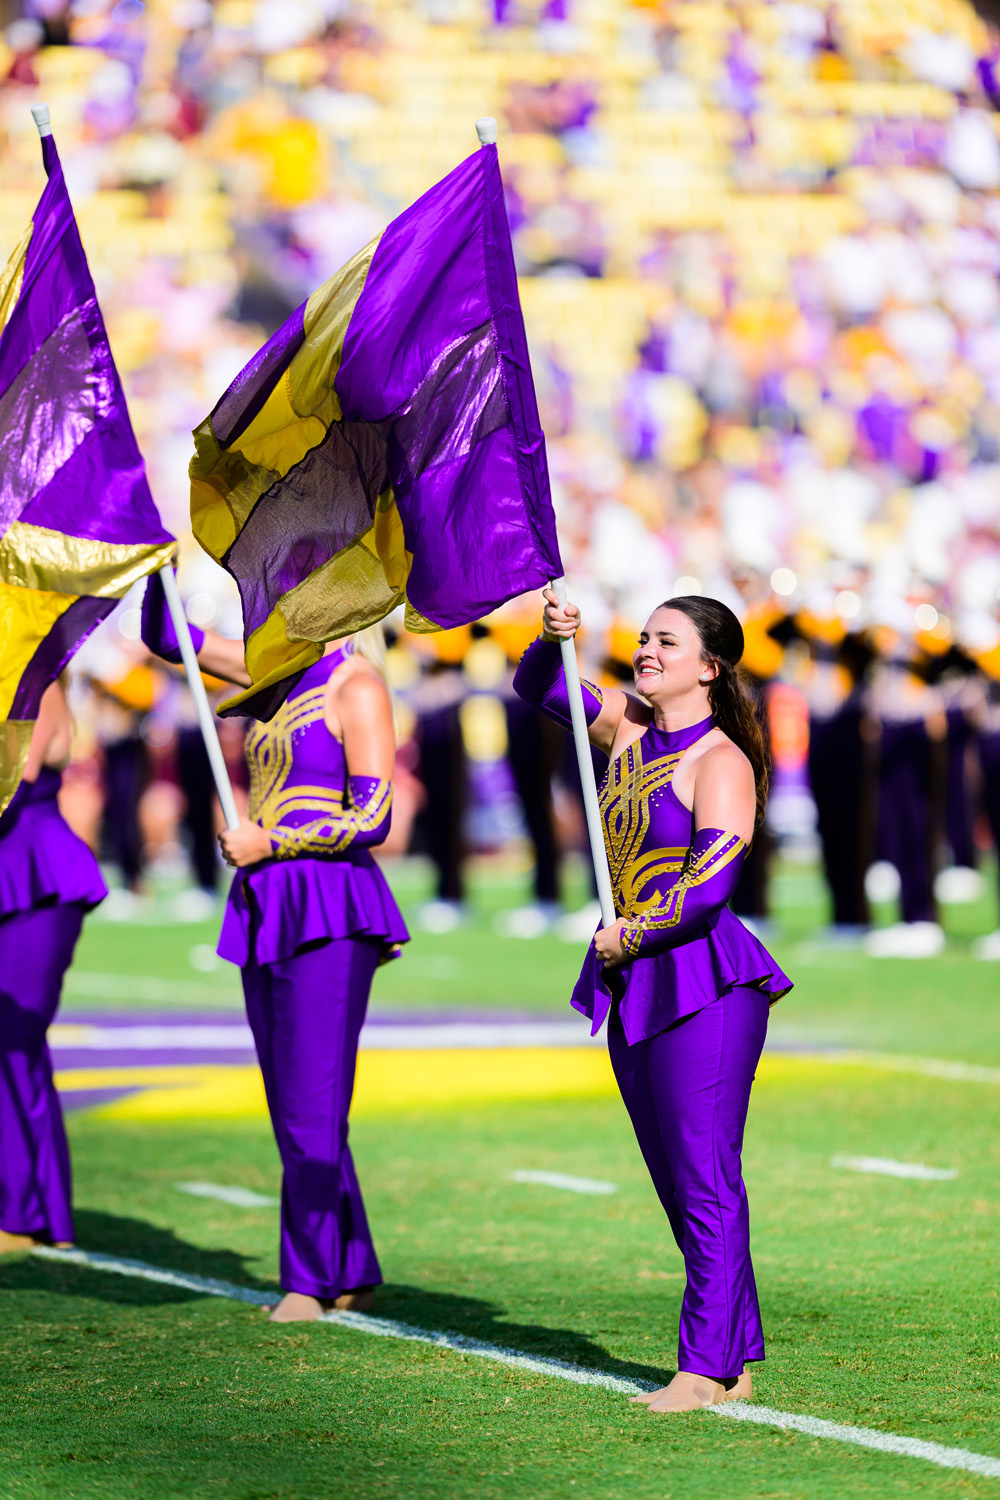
{"x":135,"y":1239}
{"x":132,"y":1239}
{"x":477,"y":1319}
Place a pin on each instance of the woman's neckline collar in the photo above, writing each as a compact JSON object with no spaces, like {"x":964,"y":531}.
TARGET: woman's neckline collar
{"x":681,"y":738}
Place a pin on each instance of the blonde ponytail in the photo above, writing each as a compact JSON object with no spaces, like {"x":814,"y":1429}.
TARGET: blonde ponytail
{"x":370,"y":643}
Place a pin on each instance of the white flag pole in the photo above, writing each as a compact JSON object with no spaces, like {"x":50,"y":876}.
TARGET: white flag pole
{"x":206,"y":718}
{"x":588,"y":782}
{"x":486,"y":130}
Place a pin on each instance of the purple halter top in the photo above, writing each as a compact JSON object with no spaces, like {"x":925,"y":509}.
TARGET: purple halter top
{"x":42,"y":861}
{"x":647,"y":834}
{"x":278,"y":906}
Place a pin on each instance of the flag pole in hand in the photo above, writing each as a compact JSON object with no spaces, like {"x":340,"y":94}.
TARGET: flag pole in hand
{"x":486,"y":130}
{"x":206,"y":718}
{"x":588,"y":781}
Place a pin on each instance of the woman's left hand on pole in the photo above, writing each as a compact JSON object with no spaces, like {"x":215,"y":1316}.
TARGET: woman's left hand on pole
{"x":246,"y":845}
{"x":608,"y":944}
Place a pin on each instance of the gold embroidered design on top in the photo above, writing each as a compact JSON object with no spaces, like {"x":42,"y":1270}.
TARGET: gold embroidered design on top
{"x":333,"y":825}
{"x":624,"y":804}
{"x":721,"y":852}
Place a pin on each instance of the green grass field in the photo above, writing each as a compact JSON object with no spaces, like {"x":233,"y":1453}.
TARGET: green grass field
{"x":880,"y":1295}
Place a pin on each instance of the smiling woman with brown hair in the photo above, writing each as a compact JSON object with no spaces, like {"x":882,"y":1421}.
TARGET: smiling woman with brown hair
{"x":686,"y":988}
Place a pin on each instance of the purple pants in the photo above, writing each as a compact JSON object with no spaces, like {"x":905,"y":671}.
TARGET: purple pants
{"x":306,"y":1014}
{"x":35,"y":1185}
{"x":687,"y":1091}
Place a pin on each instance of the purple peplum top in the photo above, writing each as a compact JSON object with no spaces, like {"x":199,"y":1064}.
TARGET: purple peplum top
{"x":277,"y":907}
{"x":648,"y":833}
{"x":42,"y":861}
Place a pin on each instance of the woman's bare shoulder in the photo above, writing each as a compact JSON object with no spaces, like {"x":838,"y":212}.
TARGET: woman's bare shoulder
{"x":719,"y":756}
{"x":360,"y":686}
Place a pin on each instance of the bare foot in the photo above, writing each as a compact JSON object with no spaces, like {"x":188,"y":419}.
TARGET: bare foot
{"x":362,"y":1299}
{"x":9,"y":1243}
{"x":686,"y":1392}
{"x":296,"y":1307}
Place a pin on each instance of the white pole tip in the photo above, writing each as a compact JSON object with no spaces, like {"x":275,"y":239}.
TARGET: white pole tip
{"x":486,"y":129}
{"x":42,"y":118}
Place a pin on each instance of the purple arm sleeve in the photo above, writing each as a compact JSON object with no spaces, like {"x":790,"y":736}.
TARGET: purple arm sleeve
{"x":704,"y":886}
{"x":363,"y":820}
{"x":540,"y":680}
{"x":157,"y":628}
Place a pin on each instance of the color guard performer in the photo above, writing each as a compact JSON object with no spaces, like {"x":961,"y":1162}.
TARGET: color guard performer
{"x":49,"y":880}
{"x":309,"y":919}
{"x":685,"y":987}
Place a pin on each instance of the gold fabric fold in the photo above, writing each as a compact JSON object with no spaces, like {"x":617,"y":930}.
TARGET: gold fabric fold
{"x":226,"y":483}
{"x":34,"y":557}
{"x":342,"y":596}
{"x":12,"y":277}
{"x":15,"y":742}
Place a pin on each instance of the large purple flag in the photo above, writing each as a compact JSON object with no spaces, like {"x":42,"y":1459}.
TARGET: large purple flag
{"x":77,"y":522}
{"x":384,"y":446}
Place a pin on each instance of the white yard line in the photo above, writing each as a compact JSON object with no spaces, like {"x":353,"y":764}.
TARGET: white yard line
{"x":884,"y":1166}
{"x":897,"y":1062}
{"x":567,"y":1184}
{"x":557,"y":1369}
{"x":239,"y":1197}
{"x":864,"y":1437}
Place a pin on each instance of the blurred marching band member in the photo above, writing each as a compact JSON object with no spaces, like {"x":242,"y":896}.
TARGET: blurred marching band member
{"x":309,"y":919}
{"x":962,"y":688}
{"x":49,"y":880}
{"x":534,"y":752}
{"x":436,"y":701}
{"x":986,"y":720}
{"x":841,"y":760}
{"x":194,"y":773}
{"x":842,"y":771}
{"x":912,"y":730}
{"x":124,"y":690}
{"x":685,"y":987}
{"x":761,"y":662}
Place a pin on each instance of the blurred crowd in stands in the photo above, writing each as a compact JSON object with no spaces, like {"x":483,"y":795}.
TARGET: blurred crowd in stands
{"x":760,"y":257}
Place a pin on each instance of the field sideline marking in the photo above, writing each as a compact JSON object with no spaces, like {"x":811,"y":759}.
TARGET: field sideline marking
{"x":239,"y":1197}
{"x":885,"y":1167}
{"x":740,"y":1411}
{"x":900,"y":1062}
{"x":561,"y":1180}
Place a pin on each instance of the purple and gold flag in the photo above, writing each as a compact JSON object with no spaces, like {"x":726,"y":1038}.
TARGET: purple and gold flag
{"x":77,"y":522}
{"x":384,"y":446}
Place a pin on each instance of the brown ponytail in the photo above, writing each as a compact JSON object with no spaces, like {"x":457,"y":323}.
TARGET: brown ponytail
{"x":728,"y":695}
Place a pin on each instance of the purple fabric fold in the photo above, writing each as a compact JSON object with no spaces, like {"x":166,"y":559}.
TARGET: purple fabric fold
{"x":277,"y":909}
{"x":68,"y":457}
{"x":42,"y":861}
{"x":436,"y":343}
{"x":655,"y":992}
{"x":433,"y":476}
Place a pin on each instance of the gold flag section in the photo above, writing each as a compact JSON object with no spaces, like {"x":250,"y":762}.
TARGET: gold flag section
{"x":42,"y":573}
